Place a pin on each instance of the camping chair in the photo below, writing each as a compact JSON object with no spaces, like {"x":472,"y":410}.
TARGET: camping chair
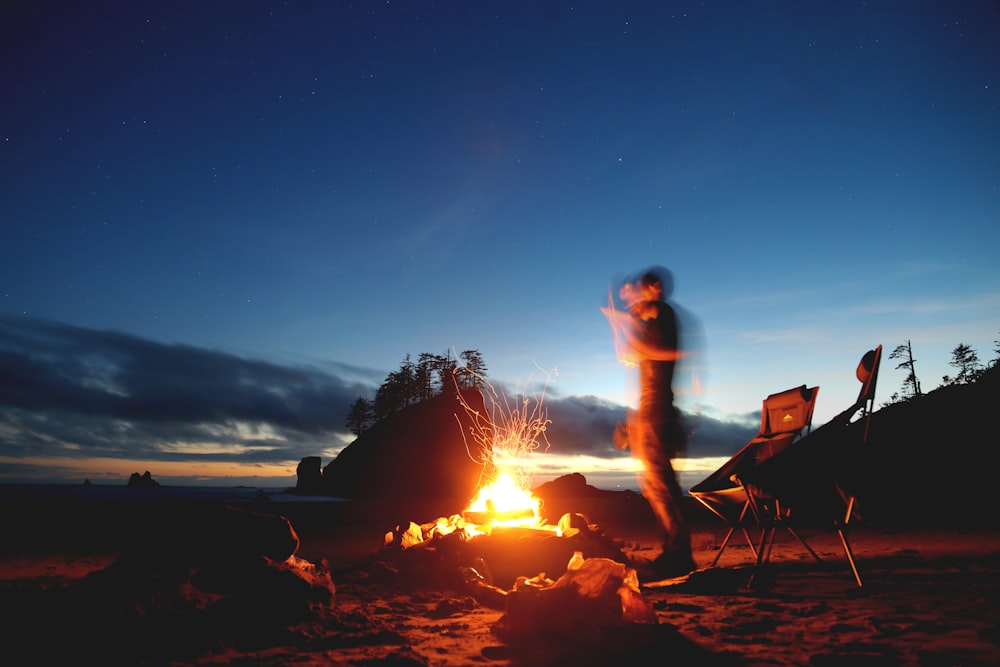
{"x":815,"y":481}
{"x":784,"y":417}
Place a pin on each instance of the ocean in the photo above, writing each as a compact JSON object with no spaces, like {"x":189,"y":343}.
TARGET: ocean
{"x":221,"y":494}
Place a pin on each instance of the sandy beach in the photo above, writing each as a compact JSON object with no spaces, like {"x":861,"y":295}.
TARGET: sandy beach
{"x":929,"y":598}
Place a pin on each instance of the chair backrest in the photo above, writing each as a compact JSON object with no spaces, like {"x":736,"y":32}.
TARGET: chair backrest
{"x":789,"y":411}
{"x":867,"y":374}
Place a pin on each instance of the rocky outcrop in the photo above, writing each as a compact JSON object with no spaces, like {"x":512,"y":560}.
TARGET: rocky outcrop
{"x":195,"y":576}
{"x":309,"y":476}
{"x":423,"y":456}
{"x":195,"y":532}
{"x":572,"y":494}
{"x":143,"y":481}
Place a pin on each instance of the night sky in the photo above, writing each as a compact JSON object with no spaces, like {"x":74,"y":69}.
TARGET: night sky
{"x":222,"y":222}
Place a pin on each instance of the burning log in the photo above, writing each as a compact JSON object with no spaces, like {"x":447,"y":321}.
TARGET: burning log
{"x":442,"y":552}
{"x":488,"y":516}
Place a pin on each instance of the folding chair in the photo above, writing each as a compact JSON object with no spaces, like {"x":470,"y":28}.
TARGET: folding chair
{"x":815,"y":481}
{"x":784,"y":417}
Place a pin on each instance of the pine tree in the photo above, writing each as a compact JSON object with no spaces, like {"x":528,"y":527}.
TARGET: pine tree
{"x":359,"y":416}
{"x":473,"y":372}
{"x":965,"y":359}
{"x":911,"y":385}
{"x":416,"y":382}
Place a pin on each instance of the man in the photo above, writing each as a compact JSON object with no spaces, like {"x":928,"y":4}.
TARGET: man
{"x":648,"y":333}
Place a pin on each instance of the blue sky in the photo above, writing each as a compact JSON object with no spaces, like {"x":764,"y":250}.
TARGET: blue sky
{"x":222,"y":222}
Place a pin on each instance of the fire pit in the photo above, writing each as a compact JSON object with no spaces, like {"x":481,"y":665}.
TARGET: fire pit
{"x":500,"y":538}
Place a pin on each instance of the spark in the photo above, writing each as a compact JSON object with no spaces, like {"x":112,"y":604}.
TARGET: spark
{"x":511,"y":429}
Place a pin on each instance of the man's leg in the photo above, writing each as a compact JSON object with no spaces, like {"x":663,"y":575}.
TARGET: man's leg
{"x":663,"y":492}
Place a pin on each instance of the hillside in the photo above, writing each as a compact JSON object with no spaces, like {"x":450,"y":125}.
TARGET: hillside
{"x":927,"y":462}
{"x":930,"y":459}
{"x":418,"y":457}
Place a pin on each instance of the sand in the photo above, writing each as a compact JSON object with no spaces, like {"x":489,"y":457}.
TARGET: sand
{"x":930,"y":597}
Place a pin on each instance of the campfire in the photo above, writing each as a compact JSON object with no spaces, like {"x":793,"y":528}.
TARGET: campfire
{"x":502,"y":550}
{"x":500,"y":505}
{"x":499,"y":441}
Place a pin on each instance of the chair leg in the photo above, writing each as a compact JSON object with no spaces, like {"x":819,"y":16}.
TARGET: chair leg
{"x":743,"y":514}
{"x":725,"y":542}
{"x":850,"y":555}
{"x":764,"y":548}
{"x":763,"y":552}
{"x":842,"y":531}
{"x":732,"y":529}
{"x":753,"y":549}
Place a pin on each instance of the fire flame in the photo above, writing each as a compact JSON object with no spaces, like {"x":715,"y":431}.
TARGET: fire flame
{"x":502,"y":503}
{"x":504,"y":495}
{"x":510,"y":431}
{"x":506,"y":435}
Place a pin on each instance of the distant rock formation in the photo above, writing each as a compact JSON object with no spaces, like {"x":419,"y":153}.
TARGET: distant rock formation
{"x":309,"y":475}
{"x":143,"y":481}
{"x":422,"y":456}
{"x":572,"y":494}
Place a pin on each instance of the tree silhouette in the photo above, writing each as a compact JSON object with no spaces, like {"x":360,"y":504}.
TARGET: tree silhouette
{"x":445,"y":367}
{"x":473,"y":372}
{"x":965,"y":359}
{"x":911,"y":385}
{"x":424,"y":375}
{"x":431,"y":375}
{"x":359,"y":416}
{"x":397,"y":391}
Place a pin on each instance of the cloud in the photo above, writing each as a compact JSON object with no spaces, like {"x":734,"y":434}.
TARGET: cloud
{"x":585,"y":424}
{"x":110,"y":393}
{"x":74,"y":391}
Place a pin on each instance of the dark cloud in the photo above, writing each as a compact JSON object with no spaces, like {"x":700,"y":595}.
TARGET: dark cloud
{"x":113,"y":393}
{"x":585,"y":424}
{"x":106,"y":393}
{"x":59,"y":367}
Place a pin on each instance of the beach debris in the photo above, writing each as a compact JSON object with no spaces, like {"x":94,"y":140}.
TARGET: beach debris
{"x":592,"y":594}
{"x":191,"y":577}
{"x":438,"y":552}
{"x":478,"y":582}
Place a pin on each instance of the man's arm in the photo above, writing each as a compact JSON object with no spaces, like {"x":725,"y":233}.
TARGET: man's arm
{"x":632,"y":347}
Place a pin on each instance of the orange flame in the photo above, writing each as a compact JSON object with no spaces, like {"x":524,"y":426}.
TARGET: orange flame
{"x":503,"y":503}
{"x":511,"y":430}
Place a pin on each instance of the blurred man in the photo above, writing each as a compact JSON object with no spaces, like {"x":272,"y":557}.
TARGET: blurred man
{"x":646,"y":332}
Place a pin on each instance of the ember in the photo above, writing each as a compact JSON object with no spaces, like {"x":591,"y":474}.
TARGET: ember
{"x":500,"y":440}
{"x":502,"y":503}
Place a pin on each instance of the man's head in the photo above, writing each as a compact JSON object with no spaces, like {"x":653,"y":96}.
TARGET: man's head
{"x":652,"y":286}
